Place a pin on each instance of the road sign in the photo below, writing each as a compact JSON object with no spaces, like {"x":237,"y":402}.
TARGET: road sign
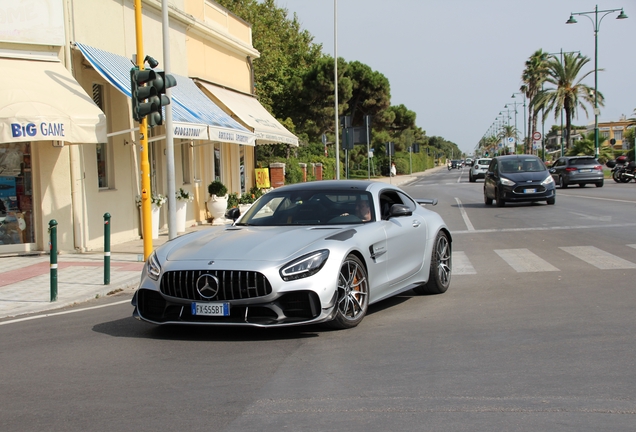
{"x":511,"y":140}
{"x":536,"y":136}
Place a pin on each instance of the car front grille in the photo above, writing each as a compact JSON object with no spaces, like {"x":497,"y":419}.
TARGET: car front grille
{"x":521,"y":189}
{"x":232,"y":284}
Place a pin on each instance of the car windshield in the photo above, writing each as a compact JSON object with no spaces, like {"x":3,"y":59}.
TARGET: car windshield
{"x":310,"y":207}
{"x":522,"y":164}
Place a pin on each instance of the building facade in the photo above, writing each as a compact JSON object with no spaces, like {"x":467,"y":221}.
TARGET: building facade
{"x":74,"y":57}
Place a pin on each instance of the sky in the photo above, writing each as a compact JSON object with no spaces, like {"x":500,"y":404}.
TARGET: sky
{"x":456,"y":63}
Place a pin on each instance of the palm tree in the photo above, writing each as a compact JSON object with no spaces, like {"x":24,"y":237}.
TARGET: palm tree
{"x":508,"y":132}
{"x":533,"y":77}
{"x":568,"y":92}
{"x":585,"y":147}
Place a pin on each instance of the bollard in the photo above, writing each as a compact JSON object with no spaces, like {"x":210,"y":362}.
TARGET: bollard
{"x":53,"y":247}
{"x":106,"y":248}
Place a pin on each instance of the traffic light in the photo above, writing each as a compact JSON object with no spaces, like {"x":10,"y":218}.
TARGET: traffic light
{"x":148,"y":88}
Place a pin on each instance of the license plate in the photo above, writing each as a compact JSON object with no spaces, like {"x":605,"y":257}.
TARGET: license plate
{"x":585,"y":170}
{"x":211,"y":309}
{"x":530,"y":191}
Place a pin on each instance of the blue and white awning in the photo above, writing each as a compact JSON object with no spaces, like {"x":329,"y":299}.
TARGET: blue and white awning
{"x":195,"y":116}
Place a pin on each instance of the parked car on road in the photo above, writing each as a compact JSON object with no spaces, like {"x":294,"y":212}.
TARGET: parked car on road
{"x":479,"y":169}
{"x":518,"y":178}
{"x":579,"y":170}
{"x":317,"y":252}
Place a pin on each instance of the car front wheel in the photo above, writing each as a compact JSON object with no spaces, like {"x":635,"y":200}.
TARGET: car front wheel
{"x":500,"y":202}
{"x":487,"y":201}
{"x":353,"y":294}
{"x":441,"y":266}
{"x":562,"y":183}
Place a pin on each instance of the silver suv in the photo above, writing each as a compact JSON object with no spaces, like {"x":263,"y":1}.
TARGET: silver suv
{"x":478,"y":170}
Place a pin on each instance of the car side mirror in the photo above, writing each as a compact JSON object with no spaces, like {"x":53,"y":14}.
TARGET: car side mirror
{"x":233,"y":213}
{"x":398,"y":210}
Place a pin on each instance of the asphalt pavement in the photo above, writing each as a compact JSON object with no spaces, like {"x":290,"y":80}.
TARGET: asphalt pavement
{"x":25,"y":280}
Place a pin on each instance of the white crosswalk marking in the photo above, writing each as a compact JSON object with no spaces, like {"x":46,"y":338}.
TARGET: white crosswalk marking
{"x":598,"y":258}
{"x":524,"y":261}
{"x":461,"y":264}
{"x":632,"y":246}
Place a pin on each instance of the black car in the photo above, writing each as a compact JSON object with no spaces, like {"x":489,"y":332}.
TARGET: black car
{"x":579,"y":170}
{"x":518,"y":178}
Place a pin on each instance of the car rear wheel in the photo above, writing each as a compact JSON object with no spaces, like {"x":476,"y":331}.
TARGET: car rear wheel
{"x":499,"y":200}
{"x":599,"y":184}
{"x":353,"y":294}
{"x":441,"y":266}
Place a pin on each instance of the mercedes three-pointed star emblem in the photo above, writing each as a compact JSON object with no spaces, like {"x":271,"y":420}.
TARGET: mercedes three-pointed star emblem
{"x":207,"y":286}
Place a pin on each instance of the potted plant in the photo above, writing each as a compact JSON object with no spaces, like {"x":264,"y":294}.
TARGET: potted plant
{"x":183,"y":197}
{"x":217,"y":203}
{"x":156,"y":201}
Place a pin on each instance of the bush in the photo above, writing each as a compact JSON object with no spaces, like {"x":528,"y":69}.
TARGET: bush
{"x":217,"y":188}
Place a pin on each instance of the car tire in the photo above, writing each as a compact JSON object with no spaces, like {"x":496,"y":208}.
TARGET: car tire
{"x":599,"y":184}
{"x":487,"y":201}
{"x":471,"y":178}
{"x":441,"y":267}
{"x":499,"y":201}
{"x":551,"y":201}
{"x":353,"y":294}
{"x":581,"y":185}
{"x":562,"y":183}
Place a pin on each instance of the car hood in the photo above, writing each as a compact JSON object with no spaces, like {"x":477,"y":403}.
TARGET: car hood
{"x":246,"y":243}
{"x":526,"y":177}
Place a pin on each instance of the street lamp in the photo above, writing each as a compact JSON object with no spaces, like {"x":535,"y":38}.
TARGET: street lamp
{"x":524,"y":114}
{"x":596,"y":23}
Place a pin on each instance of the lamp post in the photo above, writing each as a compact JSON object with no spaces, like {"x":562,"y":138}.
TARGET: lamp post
{"x":596,"y":23}
{"x":524,"y":120}
{"x":525,"y":133}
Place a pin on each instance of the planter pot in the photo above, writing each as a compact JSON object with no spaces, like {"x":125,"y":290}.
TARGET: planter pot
{"x":156,"y":211}
{"x":181,"y":216}
{"x":217,"y":207}
{"x":244,"y":207}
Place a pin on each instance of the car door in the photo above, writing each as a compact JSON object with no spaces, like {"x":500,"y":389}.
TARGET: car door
{"x":490,"y":181}
{"x":406,"y":240}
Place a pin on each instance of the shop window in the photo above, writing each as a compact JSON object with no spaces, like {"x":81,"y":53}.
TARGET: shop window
{"x":186,"y":150}
{"x":102,"y":149}
{"x":16,"y":194}
{"x":217,"y":162}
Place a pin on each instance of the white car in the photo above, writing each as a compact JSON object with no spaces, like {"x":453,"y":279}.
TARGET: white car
{"x":479,"y":169}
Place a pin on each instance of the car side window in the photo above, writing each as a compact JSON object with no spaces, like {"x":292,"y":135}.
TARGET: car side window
{"x":387,"y":199}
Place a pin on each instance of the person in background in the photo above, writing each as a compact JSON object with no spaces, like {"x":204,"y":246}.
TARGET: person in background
{"x":393,"y":169}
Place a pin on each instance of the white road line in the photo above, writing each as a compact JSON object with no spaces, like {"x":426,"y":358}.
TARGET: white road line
{"x":469,"y":225}
{"x":598,"y":258}
{"x":554,"y":228}
{"x":596,"y":198}
{"x":632,"y":246}
{"x":29,"y":318}
{"x":524,"y":261}
{"x":461,"y":264}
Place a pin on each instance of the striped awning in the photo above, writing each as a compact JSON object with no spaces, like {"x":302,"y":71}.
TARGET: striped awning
{"x":195,"y":116}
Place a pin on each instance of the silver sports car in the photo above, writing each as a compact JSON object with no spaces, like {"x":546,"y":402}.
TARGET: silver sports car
{"x":318,"y":252}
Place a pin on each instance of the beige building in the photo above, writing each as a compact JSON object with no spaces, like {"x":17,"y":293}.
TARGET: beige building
{"x":69,"y":148}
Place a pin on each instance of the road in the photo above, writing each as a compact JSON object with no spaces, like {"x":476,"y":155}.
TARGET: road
{"x":536,"y":333}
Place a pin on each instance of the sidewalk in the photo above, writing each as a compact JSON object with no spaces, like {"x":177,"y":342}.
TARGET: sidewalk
{"x":25,"y":280}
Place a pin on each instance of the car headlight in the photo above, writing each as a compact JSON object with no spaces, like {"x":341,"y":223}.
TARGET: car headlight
{"x":548,"y":180}
{"x":507,"y":182}
{"x":153,"y":268}
{"x":304,"y":266}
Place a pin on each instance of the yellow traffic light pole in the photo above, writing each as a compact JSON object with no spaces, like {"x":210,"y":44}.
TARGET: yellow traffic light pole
{"x":146,"y":215}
